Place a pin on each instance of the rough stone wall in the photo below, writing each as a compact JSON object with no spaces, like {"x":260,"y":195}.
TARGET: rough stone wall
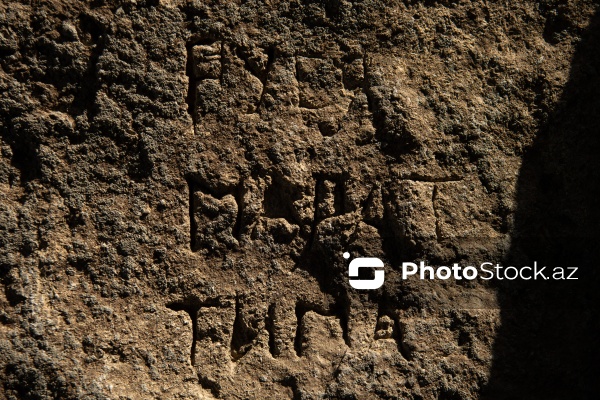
{"x":179,"y":181}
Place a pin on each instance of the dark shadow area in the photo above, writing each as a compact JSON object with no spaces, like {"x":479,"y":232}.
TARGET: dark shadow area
{"x":547,"y":345}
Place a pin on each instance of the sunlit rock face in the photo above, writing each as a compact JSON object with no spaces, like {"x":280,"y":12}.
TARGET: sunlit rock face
{"x":180,"y":181}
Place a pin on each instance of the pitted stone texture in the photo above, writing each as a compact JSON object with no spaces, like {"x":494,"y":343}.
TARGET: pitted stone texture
{"x":179,"y":181}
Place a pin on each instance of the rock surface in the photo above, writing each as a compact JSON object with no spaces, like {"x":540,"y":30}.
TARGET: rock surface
{"x":179,"y":181}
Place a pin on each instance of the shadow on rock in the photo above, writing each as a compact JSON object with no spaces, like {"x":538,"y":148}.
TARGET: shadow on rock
{"x":547,"y":345}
